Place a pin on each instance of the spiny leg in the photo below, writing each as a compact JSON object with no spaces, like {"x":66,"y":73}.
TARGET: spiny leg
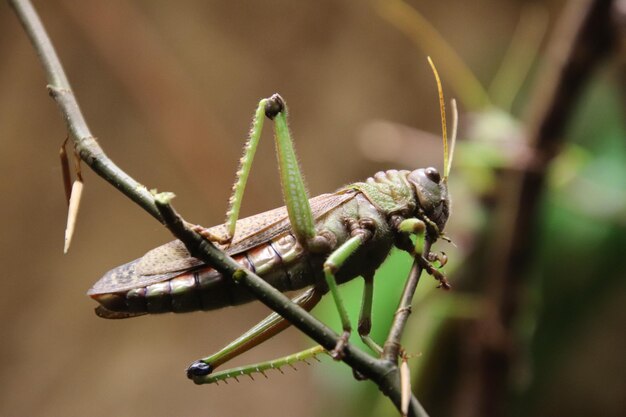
{"x":265,"y":329}
{"x":365,"y":317}
{"x":297,"y":202}
{"x":261,"y":367}
{"x":245,"y":164}
{"x":291,"y":179}
{"x":294,"y":192}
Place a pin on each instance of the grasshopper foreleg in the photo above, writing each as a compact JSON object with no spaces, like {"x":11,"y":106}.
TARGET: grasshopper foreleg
{"x":431,"y":270}
{"x":417,"y":227}
{"x":440,"y":258}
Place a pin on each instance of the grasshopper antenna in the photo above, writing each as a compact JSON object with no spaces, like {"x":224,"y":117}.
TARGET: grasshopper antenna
{"x":447,"y":153}
{"x":455,"y":125}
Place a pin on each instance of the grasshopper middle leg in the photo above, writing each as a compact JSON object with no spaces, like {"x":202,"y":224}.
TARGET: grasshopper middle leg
{"x":365,"y":317}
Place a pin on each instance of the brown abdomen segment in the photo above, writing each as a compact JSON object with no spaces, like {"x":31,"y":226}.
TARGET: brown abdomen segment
{"x":281,"y":262}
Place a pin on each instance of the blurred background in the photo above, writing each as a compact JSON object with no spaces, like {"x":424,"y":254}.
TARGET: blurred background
{"x":169,"y":89}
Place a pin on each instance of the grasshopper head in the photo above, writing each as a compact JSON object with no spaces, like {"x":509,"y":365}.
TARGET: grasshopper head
{"x":432,"y":195}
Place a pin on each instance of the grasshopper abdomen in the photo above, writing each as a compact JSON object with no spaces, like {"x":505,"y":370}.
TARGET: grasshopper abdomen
{"x":279,"y":261}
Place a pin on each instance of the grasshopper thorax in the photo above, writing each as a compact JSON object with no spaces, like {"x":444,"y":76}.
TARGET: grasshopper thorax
{"x":432,"y":198}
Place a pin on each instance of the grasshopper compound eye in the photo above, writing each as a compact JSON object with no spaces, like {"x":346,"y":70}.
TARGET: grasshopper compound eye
{"x":433,"y":175}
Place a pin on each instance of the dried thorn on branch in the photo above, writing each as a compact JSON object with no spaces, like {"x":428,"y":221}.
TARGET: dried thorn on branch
{"x":72,"y":213}
{"x":73,"y":194}
{"x":405,"y":386}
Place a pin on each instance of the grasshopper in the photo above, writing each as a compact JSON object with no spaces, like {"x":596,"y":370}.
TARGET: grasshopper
{"x":317,"y":243}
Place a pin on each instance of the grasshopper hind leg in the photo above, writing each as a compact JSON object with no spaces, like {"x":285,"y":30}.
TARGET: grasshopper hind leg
{"x":198,"y":369}
{"x":267,"y":328}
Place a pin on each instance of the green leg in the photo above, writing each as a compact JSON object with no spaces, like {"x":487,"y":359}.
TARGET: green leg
{"x":415,"y":227}
{"x":261,"y":367}
{"x":418,"y":228}
{"x":331,"y":266}
{"x":245,"y":164}
{"x":294,"y":191}
{"x":365,"y":317}
{"x":300,"y":217}
{"x":267,"y":328}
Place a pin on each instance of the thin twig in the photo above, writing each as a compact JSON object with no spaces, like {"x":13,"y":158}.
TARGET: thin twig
{"x":194,"y":118}
{"x":59,"y":88}
{"x":383,"y":372}
{"x":391,"y":349}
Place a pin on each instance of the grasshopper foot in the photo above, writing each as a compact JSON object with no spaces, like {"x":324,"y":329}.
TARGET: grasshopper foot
{"x":210,"y":236}
{"x":198,"y":368}
{"x":338,"y":352}
{"x":439,"y":257}
{"x":431,"y":270}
